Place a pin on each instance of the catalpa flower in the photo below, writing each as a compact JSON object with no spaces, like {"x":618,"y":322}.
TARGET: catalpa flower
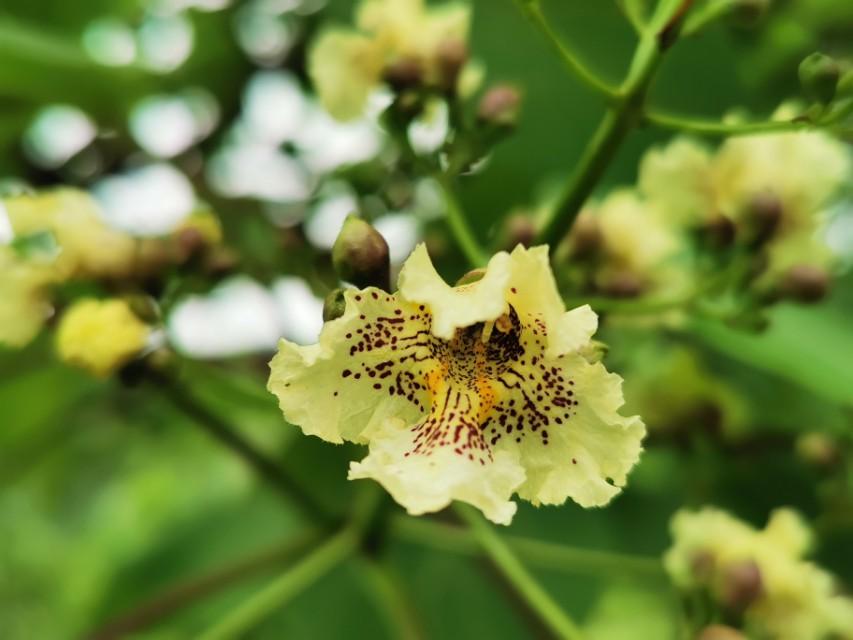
{"x":470,"y":393}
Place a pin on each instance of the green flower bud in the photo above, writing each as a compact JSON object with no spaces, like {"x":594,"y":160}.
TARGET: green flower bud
{"x":741,"y":585}
{"x":500,"y":107}
{"x":334,"y":305}
{"x":805,"y":283}
{"x":845,"y":85}
{"x":471,"y":277}
{"x":818,"y":449}
{"x":360,"y":255}
{"x":720,"y":632}
{"x":819,"y":76}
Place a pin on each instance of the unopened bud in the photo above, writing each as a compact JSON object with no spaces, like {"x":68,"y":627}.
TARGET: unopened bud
{"x":144,"y":307}
{"x":747,"y":13}
{"x":360,"y":255}
{"x":805,"y":283}
{"x":741,"y":585}
{"x":405,"y":73}
{"x":720,"y":632}
{"x":190,"y":241}
{"x":500,"y":106}
{"x":471,"y":277}
{"x":719,"y":231}
{"x":623,"y":285}
{"x":335,"y":305}
{"x":451,"y":56}
{"x":845,"y":85}
{"x":519,"y":229}
{"x":818,"y":449}
{"x":585,"y":238}
{"x":819,"y":76}
{"x":762,"y":217}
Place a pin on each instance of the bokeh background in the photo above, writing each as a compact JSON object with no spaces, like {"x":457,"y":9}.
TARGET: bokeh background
{"x":108,"y":495}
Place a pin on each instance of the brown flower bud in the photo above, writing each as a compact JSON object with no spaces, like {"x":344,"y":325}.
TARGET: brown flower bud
{"x":719,"y":231}
{"x":762,"y":217}
{"x":500,"y":106}
{"x":334,"y":306}
{"x":585,"y":238}
{"x":805,"y":283}
{"x":360,"y":255}
{"x":519,"y":228}
{"x":818,"y":449}
{"x":720,"y":632}
{"x":451,"y":56}
{"x":622,"y":285}
{"x":402,"y":74}
{"x":747,"y":13}
{"x":741,"y":585}
{"x":190,"y":242}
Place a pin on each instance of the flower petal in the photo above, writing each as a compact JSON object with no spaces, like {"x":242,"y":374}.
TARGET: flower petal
{"x":455,"y":307}
{"x":562,"y":415}
{"x":443,"y":458}
{"x":369,"y":365}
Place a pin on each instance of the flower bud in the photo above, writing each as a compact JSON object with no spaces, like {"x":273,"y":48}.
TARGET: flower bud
{"x":585,"y":238}
{"x":500,"y":107}
{"x":805,"y":283}
{"x":190,"y":242}
{"x":719,"y":231}
{"x":471,"y":277}
{"x":747,"y":13}
{"x":405,"y":73}
{"x":819,"y":76}
{"x":622,"y":285}
{"x":762,"y":217}
{"x":335,"y":305}
{"x":818,"y":449}
{"x":519,"y":228}
{"x":360,"y":255}
{"x":845,"y":85}
{"x":720,"y":632}
{"x":451,"y":56}
{"x":741,"y":585}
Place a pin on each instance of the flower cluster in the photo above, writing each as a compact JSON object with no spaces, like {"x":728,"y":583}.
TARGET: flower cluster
{"x":470,"y":393}
{"x":399,"y":41}
{"x":60,"y":236}
{"x":758,"y":578}
{"x":755,"y":210}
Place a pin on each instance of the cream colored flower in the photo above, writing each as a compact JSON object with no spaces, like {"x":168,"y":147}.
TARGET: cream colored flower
{"x":88,"y":247}
{"x":629,"y":249}
{"x":346,"y":65}
{"x":100,"y":336}
{"x":24,"y":304}
{"x":795,"y":599}
{"x":468,"y":393}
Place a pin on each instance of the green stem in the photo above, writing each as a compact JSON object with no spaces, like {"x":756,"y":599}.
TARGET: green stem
{"x":717,"y":128}
{"x":459,"y":228}
{"x":533,"y":11}
{"x":518,"y":577}
{"x":712,"y":11}
{"x":154,"y":610}
{"x":546,"y":555}
{"x":633,"y":11}
{"x":275,"y":476}
{"x":615,"y":125}
{"x":395,"y":608}
{"x":264,"y":603}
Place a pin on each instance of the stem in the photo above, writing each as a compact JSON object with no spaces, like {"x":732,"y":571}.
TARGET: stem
{"x":717,"y":128}
{"x":458,"y":223}
{"x":610,"y":134}
{"x":390,"y":599}
{"x":711,"y":12}
{"x":546,"y":555}
{"x":224,"y":434}
{"x":532,"y":10}
{"x":184,"y":594}
{"x":633,"y":11}
{"x":323,"y":559}
{"x":511,"y":568}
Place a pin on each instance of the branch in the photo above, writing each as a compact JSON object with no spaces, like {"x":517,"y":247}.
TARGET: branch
{"x":519,"y":578}
{"x":533,"y":12}
{"x":719,"y":128}
{"x":224,"y":434}
{"x":459,"y":228}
